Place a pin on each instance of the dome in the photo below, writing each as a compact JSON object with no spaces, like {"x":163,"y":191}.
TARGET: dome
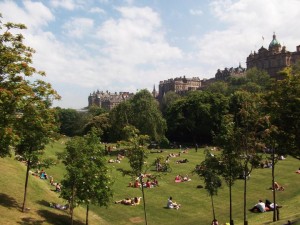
{"x":274,"y":42}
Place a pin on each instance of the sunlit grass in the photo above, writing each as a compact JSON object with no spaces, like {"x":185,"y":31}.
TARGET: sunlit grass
{"x":196,"y":204}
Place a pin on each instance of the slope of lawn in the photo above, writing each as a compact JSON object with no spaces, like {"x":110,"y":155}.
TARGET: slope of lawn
{"x":196,"y":204}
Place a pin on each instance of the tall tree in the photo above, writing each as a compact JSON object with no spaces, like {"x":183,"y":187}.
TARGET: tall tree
{"x":245,"y":111}
{"x":209,"y":171}
{"x":17,"y":93}
{"x":137,"y":155}
{"x":87,"y":180}
{"x":196,"y":116}
{"x":230,"y":167}
{"x":142,"y":112}
{"x":26,"y":120}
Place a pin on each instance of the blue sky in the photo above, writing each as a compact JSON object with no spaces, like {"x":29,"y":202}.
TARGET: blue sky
{"x":128,"y":45}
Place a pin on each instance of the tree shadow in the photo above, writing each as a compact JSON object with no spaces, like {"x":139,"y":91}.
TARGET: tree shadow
{"x":43,"y":202}
{"x":57,"y":219}
{"x":8,"y":201}
{"x":30,"y":221}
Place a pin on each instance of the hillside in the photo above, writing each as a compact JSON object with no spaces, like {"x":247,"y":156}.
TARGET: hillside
{"x":196,"y":205}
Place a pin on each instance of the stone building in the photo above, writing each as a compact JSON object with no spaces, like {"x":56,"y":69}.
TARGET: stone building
{"x":108,"y":100}
{"x":231,"y":72}
{"x":179,"y":85}
{"x":273,"y":59}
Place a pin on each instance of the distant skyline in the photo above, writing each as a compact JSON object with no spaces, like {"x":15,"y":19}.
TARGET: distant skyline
{"x":129,"y":45}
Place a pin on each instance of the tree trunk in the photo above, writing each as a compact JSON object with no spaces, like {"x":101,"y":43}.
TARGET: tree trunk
{"x":87,"y":214}
{"x":72,"y":203}
{"x":245,"y":195}
{"x":273,"y":186}
{"x":26,"y":183}
{"x":213,"y":207}
{"x":230,"y":200}
{"x":144,"y":202}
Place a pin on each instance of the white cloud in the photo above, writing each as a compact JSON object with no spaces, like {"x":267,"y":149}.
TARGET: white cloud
{"x":97,"y":10}
{"x":66,"y":4}
{"x":131,"y":49}
{"x":136,"y":38}
{"x":196,"y":12}
{"x":34,"y":14}
{"x":78,"y":27}
{"x":246,"y":21}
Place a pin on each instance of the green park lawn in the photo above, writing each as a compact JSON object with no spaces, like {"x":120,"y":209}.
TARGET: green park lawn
{"x":196,"y":204}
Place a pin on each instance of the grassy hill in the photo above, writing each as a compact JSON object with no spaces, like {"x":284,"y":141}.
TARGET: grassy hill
{"x":196,"y":204}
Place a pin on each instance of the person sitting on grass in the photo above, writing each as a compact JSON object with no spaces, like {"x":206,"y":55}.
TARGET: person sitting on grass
{"x":278,"y":187}
{"x":259,"y":207}
{"x":172,"y":205}
{"x":148,"y":184}
{"x":154,"y":183}
{"x":215,"y":222}
{"x":43,"y":175}
{"x":137,"y":184}
{"x":298,"y":171}
{"x":58,"y":187}
{"x":178,"y":178}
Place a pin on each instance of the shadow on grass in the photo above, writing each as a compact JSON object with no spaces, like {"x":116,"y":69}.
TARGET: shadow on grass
{"x":7,"y":201}
{"x":44,"y":203}
{"x":30,"y":221}
{"x":57,"y":219}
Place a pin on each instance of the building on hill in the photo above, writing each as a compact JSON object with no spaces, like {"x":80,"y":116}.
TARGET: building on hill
{"x":273,"y":59}
{"x":108,"y":100}
{"x":231,"y":72}
{"x":179,"y":85}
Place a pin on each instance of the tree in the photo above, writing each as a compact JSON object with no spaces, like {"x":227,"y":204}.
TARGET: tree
{"x":101,"y":123}
{"x":142,"y":112}
{"x":26,"y":120}
{"x":72,"y":122}
{"x":95,"y":187}
{"x":230,"y":167}
{"x":36,"y":127}
{"x":16,"y":93}
{"x":245,"y":110}
{"x":168,"y":99}
{"x":87,"y":180}
{"x":196,"y":116}
{"x":209,"y":171}
{"x":137,"y":155}
{"x":283,"y":107}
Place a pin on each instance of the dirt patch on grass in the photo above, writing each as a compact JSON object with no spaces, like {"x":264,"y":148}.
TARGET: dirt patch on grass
{"x":136,"y":219}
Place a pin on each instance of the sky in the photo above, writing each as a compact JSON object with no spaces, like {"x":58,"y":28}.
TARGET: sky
{"x":129,"y":45}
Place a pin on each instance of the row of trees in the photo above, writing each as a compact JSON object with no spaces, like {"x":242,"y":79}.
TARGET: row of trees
{"x":255,"y":121}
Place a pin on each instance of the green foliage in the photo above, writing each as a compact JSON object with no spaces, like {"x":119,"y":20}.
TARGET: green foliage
{"x":72,"y":122}
{"x":142,"y":112}
{"x":283,"y":108}
{"x":19,"y":96}
{"x":168,"y":99}
{"x":196,"y":116}
{"x":87,"y":180}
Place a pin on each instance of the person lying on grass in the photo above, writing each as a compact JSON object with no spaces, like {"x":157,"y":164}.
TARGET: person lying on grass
{"x":129,"y":201}
{"x":182,"y":161}
{"x":264,"y":207}
{"x":59,"y":206}
{"x":172,"y":205}
{"x":277,"y":187}
{"x":259,"y":207}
